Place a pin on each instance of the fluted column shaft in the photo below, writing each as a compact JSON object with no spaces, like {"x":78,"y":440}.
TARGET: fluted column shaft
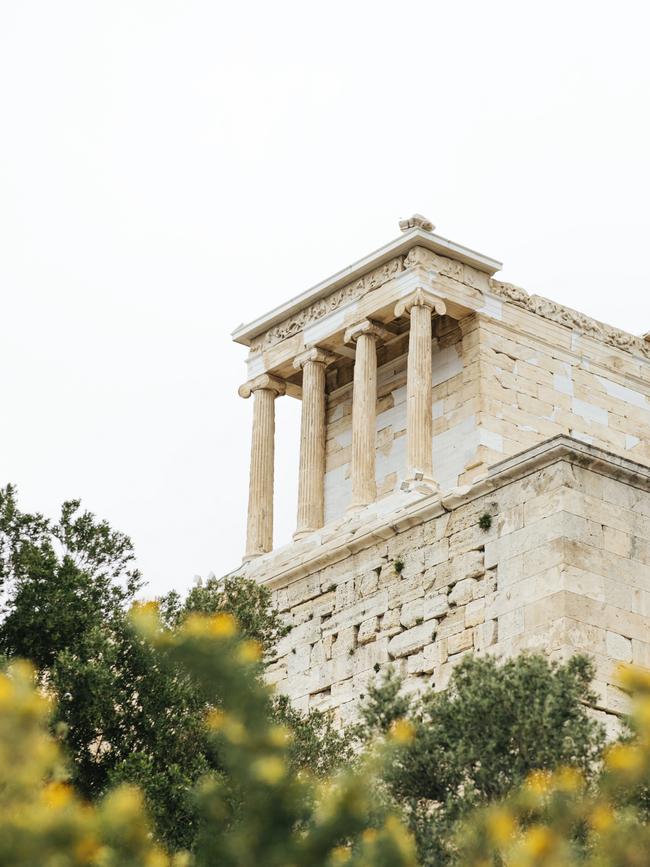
{"x":419,"y":384}
{"x":419,"y":394}
{"x":259,"y":534}
{"x":311,"y":478}
{"x":364,"y":410}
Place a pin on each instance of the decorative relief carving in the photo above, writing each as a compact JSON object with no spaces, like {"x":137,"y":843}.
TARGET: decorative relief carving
{"x":332,"y":302}
{"x":419,"y":256}
{"x":426,"y":259}
{"x":571,"y":318}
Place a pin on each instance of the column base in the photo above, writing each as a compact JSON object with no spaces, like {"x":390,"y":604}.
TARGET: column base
{"x":419,"y":482}
{"x":357,"y":507}
{"x":300,"y":534}
{"x":248,"y":557}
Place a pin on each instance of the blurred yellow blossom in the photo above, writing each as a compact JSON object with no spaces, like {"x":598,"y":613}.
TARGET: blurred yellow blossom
{"x":402,"y":731}
{"x":250,"y":651}
{"x":270,"y":769}
{"x":501,"y":826}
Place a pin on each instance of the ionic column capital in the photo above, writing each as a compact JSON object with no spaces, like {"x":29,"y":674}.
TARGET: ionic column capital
{"x":264,"y":381}
{"x":314,"y":353}
{"x":367,"y":326}
{"x":421,"y":298}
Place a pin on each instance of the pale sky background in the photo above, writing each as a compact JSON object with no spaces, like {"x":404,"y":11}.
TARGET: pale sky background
{"x":169,"y":170}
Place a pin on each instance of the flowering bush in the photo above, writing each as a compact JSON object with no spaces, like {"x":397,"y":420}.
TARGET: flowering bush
{"x":556,"y":819}
{"x":42,"y":822}
{"x":260,"y":813}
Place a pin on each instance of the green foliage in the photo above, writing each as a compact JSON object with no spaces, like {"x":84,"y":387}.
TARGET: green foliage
{"x":126,"y":713}
{"x":481,"y":737}
{"x":43,"y":822}
{"x":281,"y":817}
{"x":247,"y":600}
{"x":562,"y":819}
{"x":485,"y":521}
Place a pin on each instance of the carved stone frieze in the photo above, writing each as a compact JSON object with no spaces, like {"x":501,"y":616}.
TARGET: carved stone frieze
{"x":427,"y":259}
{"x":571,"y":318}
{"x":351,"y":291}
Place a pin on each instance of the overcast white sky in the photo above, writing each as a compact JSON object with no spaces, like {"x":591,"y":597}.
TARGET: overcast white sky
{"x":171,"y":169}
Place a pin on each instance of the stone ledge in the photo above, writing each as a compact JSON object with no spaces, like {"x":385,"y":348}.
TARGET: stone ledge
{"x":337,"y":541}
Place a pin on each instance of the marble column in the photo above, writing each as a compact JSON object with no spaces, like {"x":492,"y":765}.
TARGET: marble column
{"x":421,"y":306}
{"x":364,"y":409}
{"x":259,"y":535}
{"x":311,"y":478}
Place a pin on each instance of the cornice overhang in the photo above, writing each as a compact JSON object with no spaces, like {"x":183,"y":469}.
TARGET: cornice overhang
{"x":244,"y":334}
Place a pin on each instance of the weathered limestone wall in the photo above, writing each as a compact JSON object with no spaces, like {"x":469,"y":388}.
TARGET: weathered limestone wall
{"x":564,"y":567}
{"x":539,"y":379}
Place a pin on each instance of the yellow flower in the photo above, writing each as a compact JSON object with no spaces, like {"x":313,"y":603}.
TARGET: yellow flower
{"x":270,"y":770}
{"x":402,"y":731}
{"x":156,"y":858}
{"x":538,"y":840}
{"x":340,"y":855}
{"x":602,"y":817}
{"x":642,"y":713}
{"x":6,"y":690}
{"x":145,"y":617}
{"x":501,"y":826}
{"x":86,"y":849}
{"x":196,"y":626}
{"x":401,"y":838}
{"x":216,"y":719}
{"x":539,"y":782}
{"x":279,"y":736}
{"x":23,"y":670}
{"x":57,"y":795}
{"x":568,"y":779}
{"x":123,"y":804}
{"x":624,"y":758}
{"x":223,"y":626}
{"x":369,"y":835}
{"x":634,"y":678}
{"x":249,"y":651}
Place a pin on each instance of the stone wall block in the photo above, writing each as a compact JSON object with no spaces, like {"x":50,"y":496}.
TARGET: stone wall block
{"x":344,"y":641}
{"x":460,"y":641}
{"x":462,"y":592}
{"x":424,"y":662}
{"x":436,"y":605}
{"x":367,"y":656}
{"x":368,"y":630}
{"x":486,"y":634}
{"x":344,"y":595}
{"x":304,"y":633}
{"x":412,"y":613}
{"x":435,"y":554}
{"x":474,"y":613}
{"x":619,"y":647}
{"x":367,"y":584}
{"x":452,"y":623}
{"x":412,"y":640}
{"x":405,"y":590}
{"x":298,"y":660}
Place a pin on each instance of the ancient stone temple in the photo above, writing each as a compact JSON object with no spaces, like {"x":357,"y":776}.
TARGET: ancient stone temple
{"x":474,"y":475}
